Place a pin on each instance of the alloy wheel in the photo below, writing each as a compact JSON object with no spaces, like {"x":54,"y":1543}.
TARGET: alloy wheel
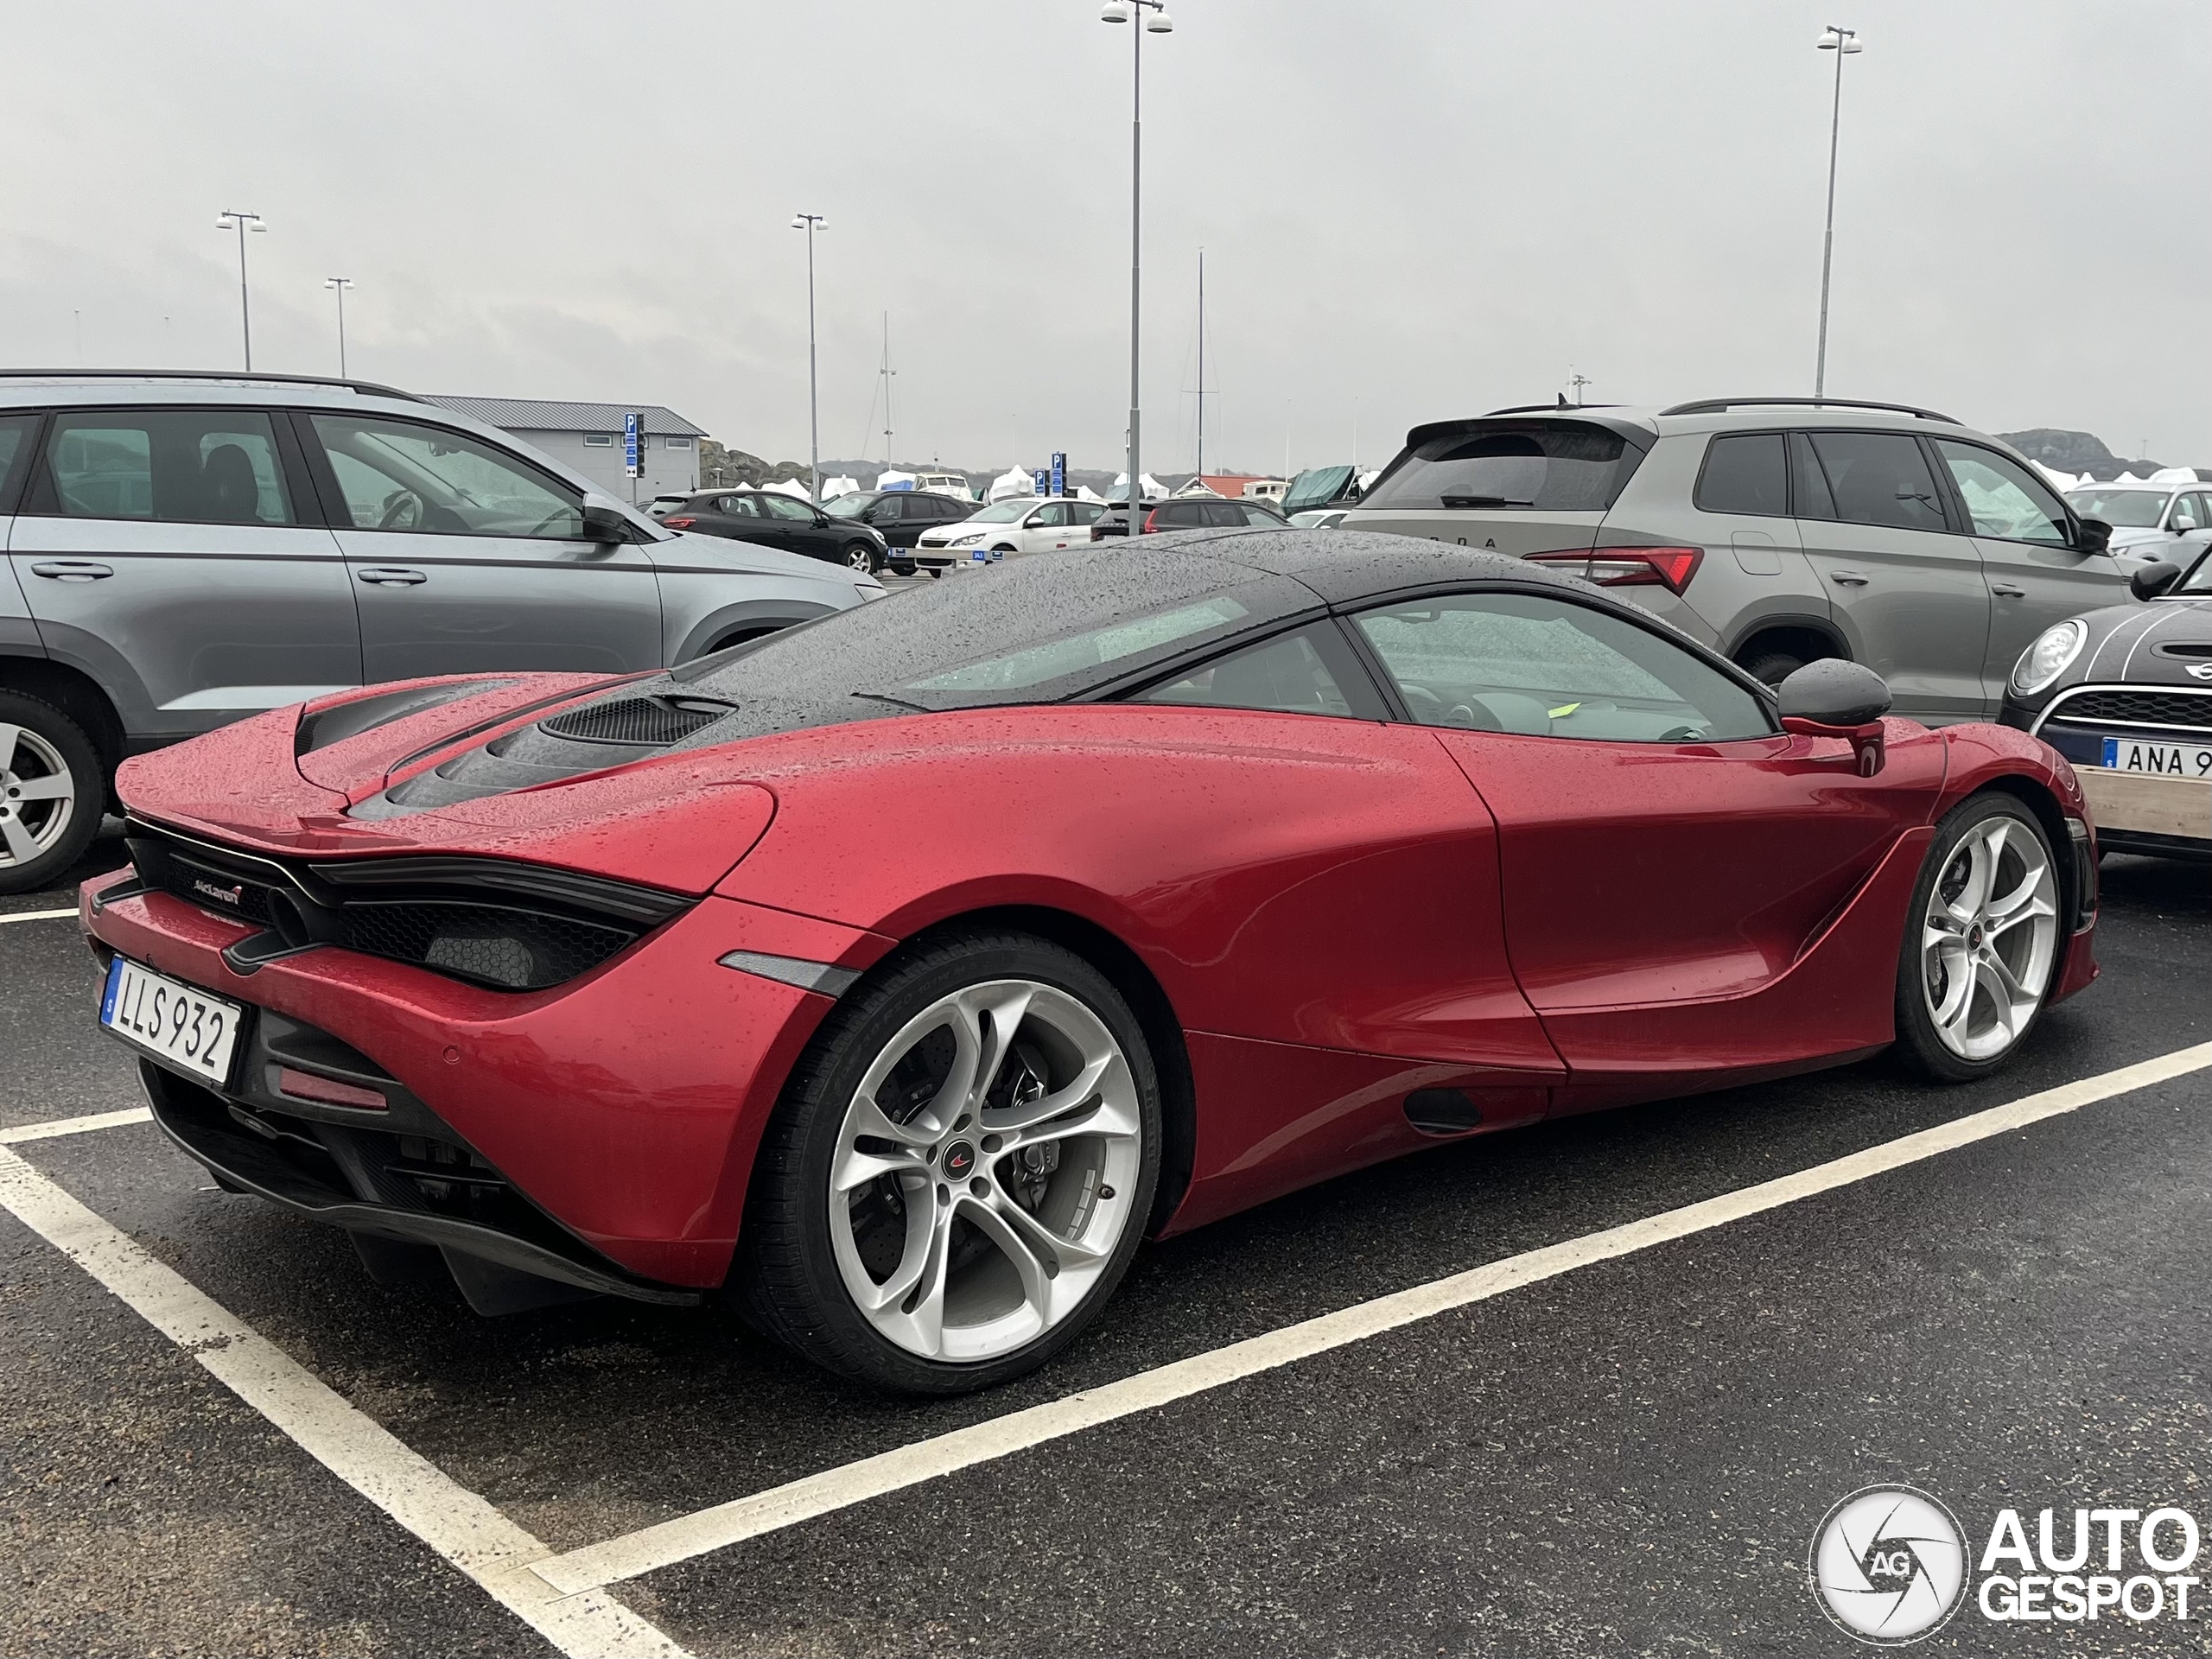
{"x":1989,"y":938}
{"x":38,"y":796}
{"x":985,"y":1170}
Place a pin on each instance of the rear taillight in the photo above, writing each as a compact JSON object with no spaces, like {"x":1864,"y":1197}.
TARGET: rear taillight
{"x":679,"y":523}
{"x":1670,"y":568}
{"x":1151,"y":523}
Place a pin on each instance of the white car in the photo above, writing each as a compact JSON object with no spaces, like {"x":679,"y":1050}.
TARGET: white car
{"x":2157,"y":521}
{"x":1025,"y":524}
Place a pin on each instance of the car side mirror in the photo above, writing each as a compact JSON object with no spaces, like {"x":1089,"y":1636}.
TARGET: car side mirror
{"x":2153,"y":579}
{"x":604,"y":524}
{"x":2092,"y":535}
{"x":1833,"y":698}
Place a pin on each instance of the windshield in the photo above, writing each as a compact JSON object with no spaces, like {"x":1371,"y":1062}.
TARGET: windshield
{"x":2199,"y":579}
{"x":1541,"y":466}
{"x":2121,"y":509}
{"x":848,"y":507}
{"x":1034,"y":631}
{"x":1003,"y":512}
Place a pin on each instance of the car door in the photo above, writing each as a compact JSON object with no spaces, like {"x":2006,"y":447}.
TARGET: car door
{"x":803,"y":528}
{"x":18,"y":443}
{"x":1666,"y":855}
{"x":2035,"y":573}
{"x":890,"y":514}
{"x":1904,"y":587}
{"x":466,"y":556}
{"x":177,"y":555}
{"x":2188,"y":522}
{"x":1045,"y":528}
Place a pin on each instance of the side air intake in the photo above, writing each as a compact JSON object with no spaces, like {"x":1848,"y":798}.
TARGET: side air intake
{"x":636,"y":720}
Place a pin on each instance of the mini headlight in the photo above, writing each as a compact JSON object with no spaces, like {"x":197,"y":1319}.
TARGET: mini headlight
{"x":967,"y":541}
{"x":2050,"y":656}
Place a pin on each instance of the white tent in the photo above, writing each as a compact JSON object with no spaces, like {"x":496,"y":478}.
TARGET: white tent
{"x":834,"y":487}
{"x":1014,"y":481}
{"x":2174,"y":475}
{"x":2063,"y":480}
{"x":789,"y":486}
{"x":1085,"y":493}
{"x":1150,"y":488}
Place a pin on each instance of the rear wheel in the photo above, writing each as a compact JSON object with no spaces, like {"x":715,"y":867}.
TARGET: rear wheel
{"x":957,"y":1175}
{"x":52,"y":790}
{"x":1772,"y":667}
{"x":1982,"y":941}
{"x":860,"y":557}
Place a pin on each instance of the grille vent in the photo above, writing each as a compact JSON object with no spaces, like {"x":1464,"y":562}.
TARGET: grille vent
{"x":657,"y":720}
{"x":2137,"y":707}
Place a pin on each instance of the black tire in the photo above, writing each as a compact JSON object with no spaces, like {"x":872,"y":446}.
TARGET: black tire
{"x":903,"y":569}
{"x":936,"y":570}
{"x":787,"y":1283}
{"x":52,"y":738}
{"x":860,"y":555}
{"x":1771,"y":668}
{"x":1919,"y":1046}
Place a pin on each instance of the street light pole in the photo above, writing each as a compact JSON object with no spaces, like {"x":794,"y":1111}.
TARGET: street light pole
{"x":341,"y":283}
{"x":810,"y":223}
{"x":1157,"y":22}
{"x":230,"y":220}
{"x":1843,"y":42}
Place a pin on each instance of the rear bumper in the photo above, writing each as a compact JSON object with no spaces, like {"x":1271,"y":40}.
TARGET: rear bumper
{"x":624,"y":1106}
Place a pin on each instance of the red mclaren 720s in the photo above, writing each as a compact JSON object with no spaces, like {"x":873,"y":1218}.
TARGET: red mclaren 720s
{"x":897,"y":973}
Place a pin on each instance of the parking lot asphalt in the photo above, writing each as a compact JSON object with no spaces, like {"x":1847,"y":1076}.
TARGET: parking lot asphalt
{"x":1630,"y":1458}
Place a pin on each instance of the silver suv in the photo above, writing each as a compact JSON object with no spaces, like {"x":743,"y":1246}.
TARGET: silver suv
{"x":184,"y":551}
{"x":1779,"y":529}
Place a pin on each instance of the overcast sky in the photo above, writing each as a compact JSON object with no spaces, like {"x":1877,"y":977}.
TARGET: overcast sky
{"x":1410,"y":209}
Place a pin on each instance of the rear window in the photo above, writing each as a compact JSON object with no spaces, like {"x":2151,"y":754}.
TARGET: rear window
{"x":1539,"y":466}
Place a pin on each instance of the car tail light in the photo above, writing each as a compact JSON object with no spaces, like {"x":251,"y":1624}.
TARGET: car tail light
{"x":1670,"y":568}
{"x":1151,"y":523}
{"x":679,"y":523}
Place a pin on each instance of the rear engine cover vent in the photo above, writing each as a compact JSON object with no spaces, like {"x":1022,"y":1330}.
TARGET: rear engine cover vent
{"x":654,"y":721}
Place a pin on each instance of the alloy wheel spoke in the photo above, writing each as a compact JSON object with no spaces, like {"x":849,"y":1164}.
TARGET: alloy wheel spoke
{"x":2000,"y":999}
{"x":1013,"y":1120}
{"x":9,"y":737}
{"x":856,"y":1165}
{"x":2002,"y":975}
{"x":59,"y":787}
{"x":1958,"y":990}
{"x":1069,"y":1252}
{"x":22,"y":846}
{"x":1981,"y":868}
{"x":1018,"y":1248}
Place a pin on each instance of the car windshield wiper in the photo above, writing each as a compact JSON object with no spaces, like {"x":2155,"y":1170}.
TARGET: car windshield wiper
{"x":1480,"y":501}
{"x":884,"y":696}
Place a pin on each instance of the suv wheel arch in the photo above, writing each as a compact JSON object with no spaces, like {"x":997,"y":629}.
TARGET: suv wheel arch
{"x":1799,"y":640}
{"x":76,"y":694}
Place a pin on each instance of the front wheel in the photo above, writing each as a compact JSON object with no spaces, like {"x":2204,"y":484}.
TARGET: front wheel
{"x":52,"y":790}
{"x":958,"y":1173}
{"x":860,"y":557}
{"x":1982,"y":941}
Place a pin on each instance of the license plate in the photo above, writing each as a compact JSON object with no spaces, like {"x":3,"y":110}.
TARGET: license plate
{"x":175,"y":1022}
{"x":2169,"y":759}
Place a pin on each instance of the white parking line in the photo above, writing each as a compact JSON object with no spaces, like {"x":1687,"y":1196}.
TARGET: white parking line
{"x":457,"y":1524}
{"x":39,"y":915}
{"x":55,"y":1126}
{"x":596,"y":1565}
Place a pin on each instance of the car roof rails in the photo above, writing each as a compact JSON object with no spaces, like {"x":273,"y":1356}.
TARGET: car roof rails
{"x":369,"y":387}
{"x":1722,"y":405}
{"x":1562,"y":407}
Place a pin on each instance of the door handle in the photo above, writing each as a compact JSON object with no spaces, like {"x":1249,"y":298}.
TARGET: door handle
{"x":2004,"y":590}
{"x":1848,"y":578}
{"x":385,"y":575}
{"x":71,"y":570}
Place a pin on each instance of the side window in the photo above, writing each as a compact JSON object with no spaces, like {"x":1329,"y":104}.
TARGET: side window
{"x":2001,"y":500}
{"x":1550,"y":668}
{"x":888,"y":510}
{"x":774,"y":504}
{"x":398,"y":475}
{"x":1307,"y":672}
{"x":1879,"y":478}
{"x":1051,"y":515}
{"x":184,"y":465}
{"x":1809,"y":496}
{"x":1086,"y":512}
{"x":14,"y":432}
{"x":1258,"y":516}
{"x":1227,"y":514}
{"x":1745,"y":471}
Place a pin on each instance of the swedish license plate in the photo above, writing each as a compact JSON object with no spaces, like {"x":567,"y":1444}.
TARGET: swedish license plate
{"x":173,"y":1021}
{"x":2168,"y":760}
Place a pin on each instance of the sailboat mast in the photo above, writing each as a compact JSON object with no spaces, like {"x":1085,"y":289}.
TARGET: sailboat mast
{"x":889,"y":374}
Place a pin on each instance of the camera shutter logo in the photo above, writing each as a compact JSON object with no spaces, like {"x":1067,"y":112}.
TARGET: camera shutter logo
{"x":1889,"y":1565}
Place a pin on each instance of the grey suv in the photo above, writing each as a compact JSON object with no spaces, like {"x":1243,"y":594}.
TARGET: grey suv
{"x":1780,"y":530}
{"x":184,"y":551}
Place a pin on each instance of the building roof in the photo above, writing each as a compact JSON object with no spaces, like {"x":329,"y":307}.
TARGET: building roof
{"x":536,"y":415}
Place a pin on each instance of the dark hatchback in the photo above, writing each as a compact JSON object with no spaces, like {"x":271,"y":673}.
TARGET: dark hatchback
{"x":2125,"y":693}
{"x":770,"y":518}
{"x":900,"y":517}
{"x":1186,"y":514}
